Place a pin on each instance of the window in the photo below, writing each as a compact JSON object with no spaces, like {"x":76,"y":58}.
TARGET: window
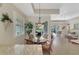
{"x":19,"y":28}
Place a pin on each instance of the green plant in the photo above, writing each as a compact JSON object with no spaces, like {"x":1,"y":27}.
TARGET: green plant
{"x":28,"y":28}
{"x":6,"y":17}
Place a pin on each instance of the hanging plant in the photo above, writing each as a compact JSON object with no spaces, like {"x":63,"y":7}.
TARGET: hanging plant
{"x":5,"y":17}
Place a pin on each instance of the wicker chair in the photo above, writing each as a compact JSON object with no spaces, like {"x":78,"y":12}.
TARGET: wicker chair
{"x":30,"y":40}
{"x":47,"y":47}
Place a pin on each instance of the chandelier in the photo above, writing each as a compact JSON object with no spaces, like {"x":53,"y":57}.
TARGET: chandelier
{"x":39,"y":17}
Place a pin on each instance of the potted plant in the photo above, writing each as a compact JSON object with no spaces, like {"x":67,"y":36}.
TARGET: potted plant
{"x":5,"y":18}
{"x":28,"y":28}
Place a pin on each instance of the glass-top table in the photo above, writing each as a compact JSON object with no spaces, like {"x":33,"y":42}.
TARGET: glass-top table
{"x":41,"y":40}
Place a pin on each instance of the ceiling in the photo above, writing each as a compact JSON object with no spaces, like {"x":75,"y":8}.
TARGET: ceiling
{"x":47,"y":5}
{"x":26,"y":8}
{"x":64,"y":11}
{"x":46,"y":8}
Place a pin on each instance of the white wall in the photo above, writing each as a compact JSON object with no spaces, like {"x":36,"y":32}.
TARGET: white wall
{"x":72,"y":22}
{"x":7,"y":35}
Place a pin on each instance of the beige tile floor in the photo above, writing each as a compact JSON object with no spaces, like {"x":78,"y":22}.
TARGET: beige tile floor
{"x":28,"y":49}
{"x":63,"y":47}
{"x":6,"y":50}
{"x":60,"y":46}
{"x":21,"y":50}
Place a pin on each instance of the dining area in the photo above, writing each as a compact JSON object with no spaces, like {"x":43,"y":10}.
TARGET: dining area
{"x":43,"y":44}
{"x":39,"y":37}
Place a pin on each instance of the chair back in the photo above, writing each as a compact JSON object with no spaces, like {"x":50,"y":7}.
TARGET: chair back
{"x":50,"y":45}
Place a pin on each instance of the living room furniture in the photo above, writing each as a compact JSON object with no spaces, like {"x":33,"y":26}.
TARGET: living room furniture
{"x":72,"y":36}
{"x":74,"y":41}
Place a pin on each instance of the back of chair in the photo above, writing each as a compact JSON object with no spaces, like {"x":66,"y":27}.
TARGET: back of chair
{"x":50,"y":45}
{"x":28,"y":41}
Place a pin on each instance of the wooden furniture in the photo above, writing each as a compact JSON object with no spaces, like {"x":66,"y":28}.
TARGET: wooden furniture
{"x":72,"y":36}
{"x":74,"y":41}
{"x":28,"y":50}
{"x":47,"y":47}
{"x":39,"y":42}
{"x":35,"y":40}
{"x":28,"y":41}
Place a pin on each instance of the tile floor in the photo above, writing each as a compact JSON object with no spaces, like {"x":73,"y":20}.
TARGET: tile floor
{"x":21,"y":50}
{"x":60,"y":46}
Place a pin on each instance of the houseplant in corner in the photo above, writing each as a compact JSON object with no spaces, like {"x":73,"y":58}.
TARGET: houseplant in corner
{"x":28,"y":28}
